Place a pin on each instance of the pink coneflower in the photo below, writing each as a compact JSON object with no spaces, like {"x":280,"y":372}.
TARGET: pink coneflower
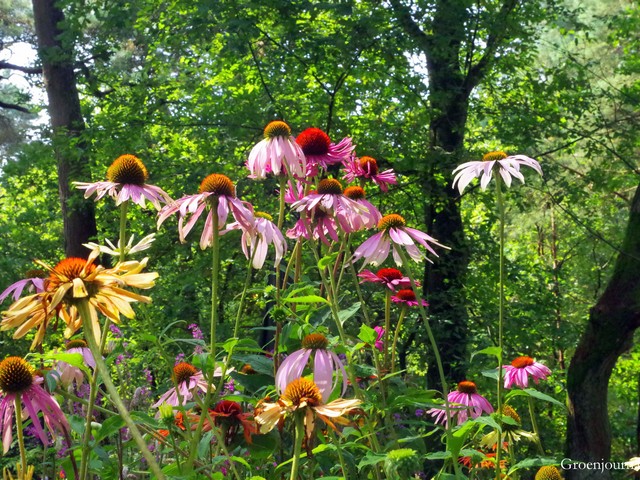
{"x":368,"y":220}
{"x":320,"y":151}
{"x":507,"y":166}
{"x":518,"y":372}
{"x":329,"y":198}
{"x":392,"y":278}
{"x":278,"y":153}
{"x":188,"y":381}
{"x":69,"y":374}
{"x":216,"y":188}
{"x":293,"y":193}
{"x":18,"y":384}
{"x":408,"y":297}
{"x":394,"y":233}
{"x":366,"y":168}
{"x":325,"y":363}
{"x":126,"y":179}
{"x":379,"y":343}
{"x":322,"y":227}
{"x":255,"y":241}
{"x":465,"y":401}
{"x":34,"y":282}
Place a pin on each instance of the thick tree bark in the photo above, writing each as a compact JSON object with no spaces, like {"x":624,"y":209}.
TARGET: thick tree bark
{"x":451,"y":82}
{"x":67,"y":125}
{"x":609,"y":333}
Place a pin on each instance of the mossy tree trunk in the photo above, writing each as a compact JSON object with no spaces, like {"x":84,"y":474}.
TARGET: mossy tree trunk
{"x":609,"y":333}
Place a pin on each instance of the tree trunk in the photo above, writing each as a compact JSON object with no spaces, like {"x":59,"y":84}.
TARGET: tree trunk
{"x":609,"y":333}
{"x":67,"y":125}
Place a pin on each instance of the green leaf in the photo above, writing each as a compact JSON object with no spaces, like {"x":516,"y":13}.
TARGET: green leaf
{"x":494,"y":351}
{"x":110,"y":426}
{"x":367,"y":334}
{"x":438,"y":455}
{"x":306,"y":299}
{"x":371,"y":459}
{"x":533,"y":462}
{"x":73,"y":359}
{"x":328,"y":260}
{"x":347,"y":313}
{"x":532,"y":392}
{"x":490,"y":421}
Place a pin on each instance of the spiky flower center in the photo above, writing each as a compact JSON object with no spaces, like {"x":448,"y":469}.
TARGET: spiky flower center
{"x":183,"y":372}
{"x":315,"y":341}
{"x":354,"y":193}
{"x":301,"y":391}
{"x":16,"y":375}
{"x":548,"y":472}
{"x":228,"y":408}
{"x":389,"y":274}
{"x":406,"y":295}
{"x":467,"y":387}
{"x":391,"y":221}
{"x":68,"y":270}
{"x":77,"y":343}
{"x":219,"y":185}
{"x":127,"y":169}
{"x":329,"y":186}
{"x":369,"y":165}
{"x":522,"y":362}
{"x":508,"y":411}
{"x":493,"y":156}
{"x":263,"y":215}
{"x":277,"y":129}
{"x":314,"y":141}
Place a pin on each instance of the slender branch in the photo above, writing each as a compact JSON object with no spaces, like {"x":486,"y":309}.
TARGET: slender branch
{"x":19,"y":68}
{"x":262,"y":80}
{"x":13,"y":106}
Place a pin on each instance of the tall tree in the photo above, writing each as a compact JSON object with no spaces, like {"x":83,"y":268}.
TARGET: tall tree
{"x":461,"y":44}
{"x":67,"y":124}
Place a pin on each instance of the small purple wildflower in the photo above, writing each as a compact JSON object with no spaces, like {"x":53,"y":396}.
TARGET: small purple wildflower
{"x":115,"y":331}
{"x":179,"y":358}
{"x":196,"y":332}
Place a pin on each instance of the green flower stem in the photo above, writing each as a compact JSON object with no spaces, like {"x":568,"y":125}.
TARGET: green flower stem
{"x":211,"y":394}
{"x":93,"y":389}
{"x":500,"y":204}
{"x":23,"y":453}
{"x":335,"y":441}
{"x":123,"y":230}
{"x":89,"y":334}
{"x":387,"y":327}
{"x":396,"y":335}
{"x":363,"y":305}
{"x":236,"y":328}
{"x":534,"y":425}
{"x":86,"y":438}
{"x":297,"y":449}
{"x":283,"y":187}
{"x":436,"y":354}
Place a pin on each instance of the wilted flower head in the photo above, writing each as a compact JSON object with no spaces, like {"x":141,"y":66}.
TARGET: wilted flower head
{"x":464,"y":401}
{"x":379,"y":343}
{"x":511,"y":430}
{"x":75,"y":280}
{"x":278,"y":153}
{"x":216,"y":191}
{"x":303,"y":394}
{"x":366,"y":168}
{"x":18,"y":383}
{"x":325,"y":363}
{"x":256,"y":240}
{"x":393,"y":234}
{"x":229,"y":415}
{"x":126,"y":179}
{"x":507,"y":166}
{"x":518,"y":372}
{"x":129,"y":248}
{"x":34,"y":281}
{"x":69,"y":374}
